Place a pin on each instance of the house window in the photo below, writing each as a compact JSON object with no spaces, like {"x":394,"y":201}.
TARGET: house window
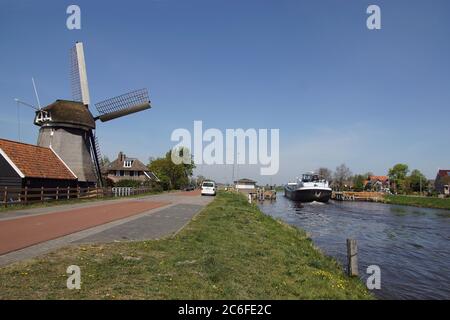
{"x":122,"y":173}
{"x":131,"y":173}
{"x":127,"y":163}
{"x":117,"y":173}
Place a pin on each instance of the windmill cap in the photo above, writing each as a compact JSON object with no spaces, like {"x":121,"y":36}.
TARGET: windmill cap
{"x":69,"y":113}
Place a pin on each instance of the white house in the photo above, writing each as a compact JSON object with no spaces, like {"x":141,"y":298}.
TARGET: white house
{"x":245,"y":185}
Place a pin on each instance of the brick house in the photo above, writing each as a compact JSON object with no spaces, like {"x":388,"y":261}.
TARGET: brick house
{"x":126,"y":168}
{"x":377,"y":183}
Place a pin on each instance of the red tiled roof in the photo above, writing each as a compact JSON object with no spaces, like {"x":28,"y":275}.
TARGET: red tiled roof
{"x":34,"y":161}
{"x":443,"y":173}
{"x":379,"y":178}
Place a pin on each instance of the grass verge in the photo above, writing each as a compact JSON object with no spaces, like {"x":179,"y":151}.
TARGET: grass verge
{"x":425,"y":202}
{"x":229,"y":251}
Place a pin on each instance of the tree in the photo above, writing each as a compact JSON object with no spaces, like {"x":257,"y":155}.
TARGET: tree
{"x":342,"y":176}
{"x":417,"y":181}
{"x":105,"y":161}
{"x":199,"y":180}
{"x":368,"y":174}
{"x":358,"y":182}
{"x":172,"y":176}
{"x":325,"y":173}
{"x":397,"y":176}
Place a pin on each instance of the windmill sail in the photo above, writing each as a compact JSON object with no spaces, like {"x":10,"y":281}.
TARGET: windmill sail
{"x":96,"y":156}
{"x":78,"y":75}
{"x":123,"y":105}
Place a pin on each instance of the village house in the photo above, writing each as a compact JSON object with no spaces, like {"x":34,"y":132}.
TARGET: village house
{"x":377,"y":183}
{"x":25,"y":165}
{"x":125,"y":168}
{"x":442,"y":182}
{"x":245,"y":185}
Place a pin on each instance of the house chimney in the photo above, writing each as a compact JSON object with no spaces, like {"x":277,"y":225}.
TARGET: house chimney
{"x":121,"y":156}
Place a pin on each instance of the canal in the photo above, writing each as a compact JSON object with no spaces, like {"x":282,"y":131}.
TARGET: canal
{"x":410,"y":245}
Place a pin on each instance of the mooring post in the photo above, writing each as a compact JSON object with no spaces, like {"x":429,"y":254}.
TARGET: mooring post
{"x":250,"y":198}
{"x":352,"y":257}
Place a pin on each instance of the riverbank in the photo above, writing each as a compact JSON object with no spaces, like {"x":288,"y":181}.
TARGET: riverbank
{"x":231,"y":250}
{"x":416,"y":201}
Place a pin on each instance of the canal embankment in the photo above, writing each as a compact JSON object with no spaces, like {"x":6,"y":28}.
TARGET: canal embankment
{"x":417,"y":201}
{"x":406,"y":200}
{"x":230,"y":250}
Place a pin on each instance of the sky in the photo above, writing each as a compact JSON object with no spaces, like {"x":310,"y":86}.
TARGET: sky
{"x":337,"y":91}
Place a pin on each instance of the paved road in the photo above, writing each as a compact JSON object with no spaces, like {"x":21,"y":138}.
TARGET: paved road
{"x":27,"y":233}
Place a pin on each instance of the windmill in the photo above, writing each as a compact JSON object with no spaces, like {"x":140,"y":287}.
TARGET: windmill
{"x":68,"y":127}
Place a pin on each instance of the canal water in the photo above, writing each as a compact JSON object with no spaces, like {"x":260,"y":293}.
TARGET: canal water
{"x":410,"y":245}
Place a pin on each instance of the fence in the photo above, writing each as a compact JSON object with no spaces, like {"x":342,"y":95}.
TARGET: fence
{"x":13,"y":196}
{"x":357,"y":196}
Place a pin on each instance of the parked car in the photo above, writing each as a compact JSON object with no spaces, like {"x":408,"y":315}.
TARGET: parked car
{"x":209,"y":188}
{"x":189,"y":187}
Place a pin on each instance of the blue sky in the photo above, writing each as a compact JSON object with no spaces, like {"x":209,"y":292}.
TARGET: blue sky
{"x":337,"y":91}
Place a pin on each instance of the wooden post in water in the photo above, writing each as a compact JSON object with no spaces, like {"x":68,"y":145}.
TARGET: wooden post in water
{"x":352,"y":257}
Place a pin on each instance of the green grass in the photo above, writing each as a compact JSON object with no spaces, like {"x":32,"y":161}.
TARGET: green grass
{"x":229,"y":251}
{"x":426,"y":202}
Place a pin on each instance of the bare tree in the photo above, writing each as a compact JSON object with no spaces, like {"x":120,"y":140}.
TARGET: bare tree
{"x":341,"y":176}
{"x":325,"y":173}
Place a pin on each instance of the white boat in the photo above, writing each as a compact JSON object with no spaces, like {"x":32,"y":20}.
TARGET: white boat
{"x":308,"y":189}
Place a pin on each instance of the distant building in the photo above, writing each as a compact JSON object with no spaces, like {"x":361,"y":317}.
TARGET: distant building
{"x":377,"y":183}
{"x":25,"y":165}
{"x":442,"y":182}
{"x":125,"y":168}
{"x":246,"y":185}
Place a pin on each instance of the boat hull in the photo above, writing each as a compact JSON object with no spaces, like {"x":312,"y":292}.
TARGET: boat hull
{"x":308,"y":195}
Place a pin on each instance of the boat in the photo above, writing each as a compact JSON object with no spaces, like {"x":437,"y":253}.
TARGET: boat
{"x":311,"y":187}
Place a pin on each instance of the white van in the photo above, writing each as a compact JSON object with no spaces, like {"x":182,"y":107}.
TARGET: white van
{"x":208,"y":188}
